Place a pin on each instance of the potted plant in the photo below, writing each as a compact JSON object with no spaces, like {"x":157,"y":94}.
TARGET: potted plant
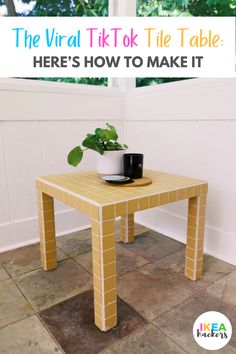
{"x":105,"y":142}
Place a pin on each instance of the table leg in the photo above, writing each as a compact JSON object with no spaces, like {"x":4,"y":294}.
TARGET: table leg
{"x":104,"y":273}
{"x":127,"y":228}
{"x":195,"y":237}
{"x":47,"y":231}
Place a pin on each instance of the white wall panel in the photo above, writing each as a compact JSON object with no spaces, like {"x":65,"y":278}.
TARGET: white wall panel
{"x":4,"y":197}
{"x":40,"y":100}
{"x":196,"y":99}
{"x":23,"y":164}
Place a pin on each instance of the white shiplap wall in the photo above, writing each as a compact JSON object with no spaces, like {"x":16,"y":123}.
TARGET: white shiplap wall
{"x":39,"y":123}
{"x":189,"y":128}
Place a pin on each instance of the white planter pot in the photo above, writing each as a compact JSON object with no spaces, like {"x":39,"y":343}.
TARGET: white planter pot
{"x":111,"y":163}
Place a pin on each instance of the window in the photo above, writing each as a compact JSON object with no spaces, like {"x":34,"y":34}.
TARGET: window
{"x":170,"y":8}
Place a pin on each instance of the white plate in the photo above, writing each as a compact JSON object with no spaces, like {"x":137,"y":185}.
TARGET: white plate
{"x":114,"y":178}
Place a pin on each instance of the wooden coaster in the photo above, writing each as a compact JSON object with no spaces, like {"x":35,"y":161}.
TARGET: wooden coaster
{"x":140,"y":182}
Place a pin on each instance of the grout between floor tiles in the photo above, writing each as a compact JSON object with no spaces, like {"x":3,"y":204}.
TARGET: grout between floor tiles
{"x":170,"y":339}
{"x":37,"y":315}
{"x":51,"y":335}
{"x":204,"y":288}
{"x":29,"y":271}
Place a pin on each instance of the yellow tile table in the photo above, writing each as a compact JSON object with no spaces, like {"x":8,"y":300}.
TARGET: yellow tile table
{"x":86,"y":192}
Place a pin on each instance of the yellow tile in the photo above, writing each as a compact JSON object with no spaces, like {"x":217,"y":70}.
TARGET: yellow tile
{"x":143,"y":203}
{"x":120,"y":209}
{"x":108,"y":242}
{"x":48,"y":246}
{"x":96,"y":241}
{"x":199,"y":264}
{"x":127,"y":222}
{"x":110,"y":296}
{"x":200,"y":243}
{"x":108,"y":212}
{"x":194,"y":200}
{"x":46,"y":216}
{"x":189,"y":192}
{"x":197,"y":190}
{"x":98,"y":322}
{"x":95,"y":227}
{"x":190,"y":253}
{"x":98,"y":309}
{"x":110,"y":322}
{"x":46,"y":226}
{"x":97,"y":269}
{"x":204,"y":188}
{"x":198,"y":274}
{"x":189,"y":273}
{"x":109,"y":283}
{"x":47,"y":206}
{"x":192,"y":221}
{"x":97,"y":283}
{"x":192,"y":210}
{"x":46,"y":197}
{"x":164,"y":198}
{"x":131,"y":232}
{"x":203,"y":199}
{"x":127,"y":236}
{"x":96,"y":256}
{"x":78,"y":204}
{"x":173,"y":197}
{"x":191,"y":242}
{"x":50,"y":255}
{"x":202,"y":211}
{"x":86,"y":207}
{"x":38,"y":191}
{"x":95,"y":212}
{"x":199,"y":253}
{"x":201,"y":222}
{"x":98,"y":296}
{"x":50,"y":235}
{"x":108,"y":227}
{"x":132,"y":206}
{"x":109,"y":256}
{"x":50,"y":265}
{"x":154,"y":201}
{"x":189,"y":263}
{"x":191,"y":232}
{"x":201,"y":232}
{"x":182,"y":194}
{"x":39,"y":206}
{"x":110,"y":310}
{"x":109,"y":270}
{"x":124,"y":222}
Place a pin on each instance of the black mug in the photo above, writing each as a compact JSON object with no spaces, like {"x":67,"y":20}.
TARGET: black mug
{"x":133,"y":165}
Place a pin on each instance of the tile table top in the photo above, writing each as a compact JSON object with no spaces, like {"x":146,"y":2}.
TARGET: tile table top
{"x":90,"y":188}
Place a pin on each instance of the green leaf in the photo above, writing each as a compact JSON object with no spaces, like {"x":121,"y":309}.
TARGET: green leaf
{"x":75,"y":156}
{"x":125,"y":146}
{"x":92,"y":142}
{"x":98,"y":132}
{"x":111,"y":127}
{"x":105,"y":135}
{"x":113,"y":133}
{"x":110,"y":146}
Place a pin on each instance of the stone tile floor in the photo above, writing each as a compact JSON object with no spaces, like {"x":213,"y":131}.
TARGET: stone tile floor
{"x":51,"y":312}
